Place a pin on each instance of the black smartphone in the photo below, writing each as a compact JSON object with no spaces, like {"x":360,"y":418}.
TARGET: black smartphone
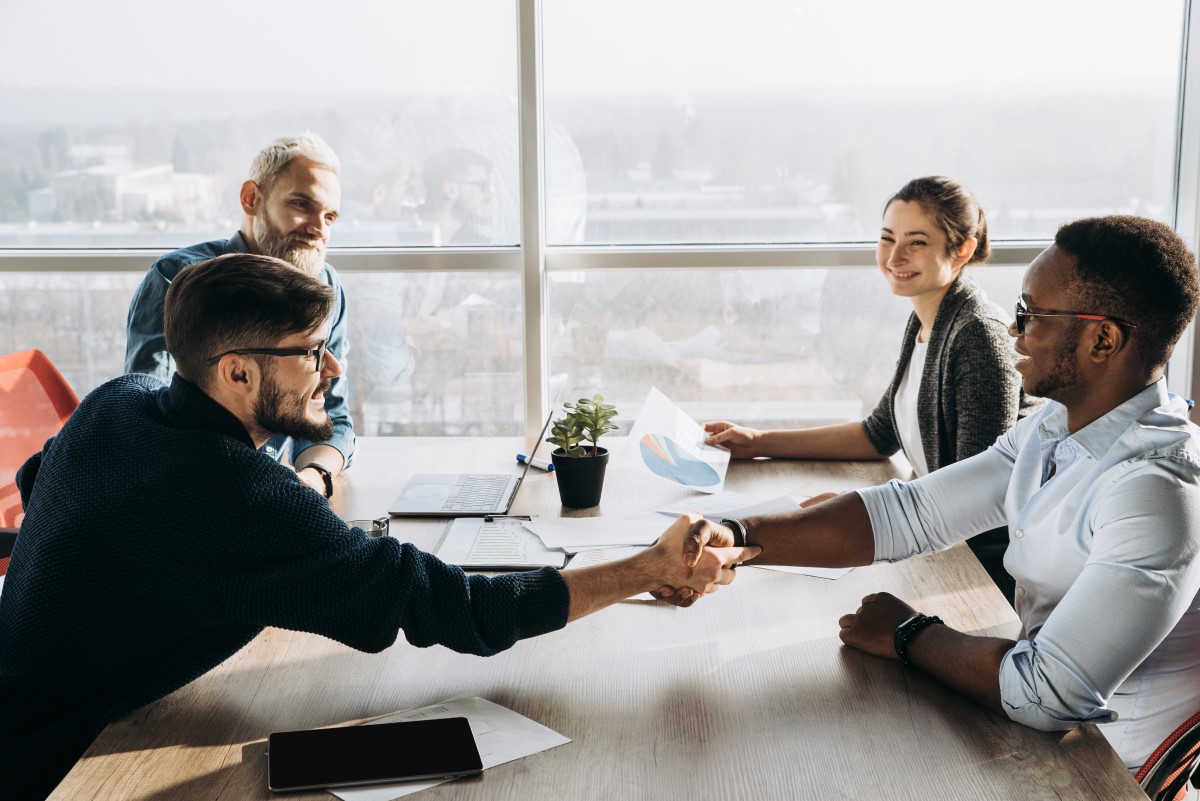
{"x":371,"y":754}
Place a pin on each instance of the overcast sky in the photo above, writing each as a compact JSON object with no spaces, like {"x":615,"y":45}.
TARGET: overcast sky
{"x":615,"y":46}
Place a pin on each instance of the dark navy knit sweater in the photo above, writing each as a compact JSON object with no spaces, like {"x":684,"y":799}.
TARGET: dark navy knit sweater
{"x":157,"y":542}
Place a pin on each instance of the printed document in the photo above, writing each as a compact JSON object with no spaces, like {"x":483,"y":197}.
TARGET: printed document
{"x":500,"y":734}
{"x":667,"y":443}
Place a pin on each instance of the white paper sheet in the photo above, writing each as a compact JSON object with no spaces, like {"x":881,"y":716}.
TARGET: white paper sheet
{"x":599,"y":556}
{"x":575,"y":534}
{"x":715,"y":506}
{"x":667,"y":443}
{"x":726,"y":505}
{"x":831,"y":573}
{"x":500,"y":734}
{"x":501,"y":544}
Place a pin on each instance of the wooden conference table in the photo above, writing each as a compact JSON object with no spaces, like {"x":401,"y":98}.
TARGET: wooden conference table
{"x":747,"y":695}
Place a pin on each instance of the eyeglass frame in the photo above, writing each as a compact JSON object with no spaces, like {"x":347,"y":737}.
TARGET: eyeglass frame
{"x":1021,"y":315}
{"x":317,"y":353}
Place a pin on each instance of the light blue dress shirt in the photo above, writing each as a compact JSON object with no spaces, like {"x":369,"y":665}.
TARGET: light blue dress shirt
{"x":1104,"y":544}
{"x":146,"y":347}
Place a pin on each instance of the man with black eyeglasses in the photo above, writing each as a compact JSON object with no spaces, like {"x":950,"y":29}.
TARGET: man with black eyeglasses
{"x":1100,"y":492}
{"x":289,"y":203}
{"x":158,"y":540}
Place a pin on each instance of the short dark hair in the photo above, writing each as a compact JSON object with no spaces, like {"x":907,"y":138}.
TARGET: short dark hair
{"x":239,"y":300}
{"x":1138,"y":270}
{"x":954,"y":209}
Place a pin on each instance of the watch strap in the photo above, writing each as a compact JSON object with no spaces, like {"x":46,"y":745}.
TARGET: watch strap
{"x":325,"y":475}
{"x":905,"y":632}
{"x":739,"y":532}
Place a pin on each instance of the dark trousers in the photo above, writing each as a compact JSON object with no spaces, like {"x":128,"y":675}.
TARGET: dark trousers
{"x":989,"y":548}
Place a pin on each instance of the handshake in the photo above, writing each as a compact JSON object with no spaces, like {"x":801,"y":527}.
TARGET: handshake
{"x":693,"y":557}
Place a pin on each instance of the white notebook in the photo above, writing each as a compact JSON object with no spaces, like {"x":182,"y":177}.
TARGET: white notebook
{"x":480,"y":543}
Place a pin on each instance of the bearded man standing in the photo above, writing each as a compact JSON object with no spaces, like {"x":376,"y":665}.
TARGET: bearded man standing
{"x":289,"y":203}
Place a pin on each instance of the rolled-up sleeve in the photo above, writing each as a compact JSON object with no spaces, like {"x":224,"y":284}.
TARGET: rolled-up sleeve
{"x":1140,"y":578}
{"x":940,"y":509}
{"x":145,"y":345}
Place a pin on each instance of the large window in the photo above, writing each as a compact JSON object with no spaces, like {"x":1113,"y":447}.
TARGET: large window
{"x":128,"y":126}
{"x":712,"y":180}
{"x":778,"y":121}
{"x":768,"y":347}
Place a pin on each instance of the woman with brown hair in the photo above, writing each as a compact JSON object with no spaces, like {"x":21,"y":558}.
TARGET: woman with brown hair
{"x":954,"y":390}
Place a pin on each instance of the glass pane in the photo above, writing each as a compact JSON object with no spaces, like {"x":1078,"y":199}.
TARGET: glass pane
{"x":77,"y":319}
{"x":768,"y":348}
{"x":435,"y":354}
{"x":430,"y":353}
{"x":137,"y":126}
{"x":780,"y":121}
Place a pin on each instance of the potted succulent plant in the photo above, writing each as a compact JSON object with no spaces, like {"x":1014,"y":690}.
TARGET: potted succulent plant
{"x":579,"y":467}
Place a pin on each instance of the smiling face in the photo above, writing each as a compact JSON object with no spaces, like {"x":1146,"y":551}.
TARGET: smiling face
{"x":293,"y":219}
{"x":1048,"y":357}
{"x":912,"y":255}
{"x":291,"y":399}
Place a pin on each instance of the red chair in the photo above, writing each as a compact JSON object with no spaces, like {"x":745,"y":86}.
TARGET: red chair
{"x":35,"y":401}
{"x":1169,"y":770}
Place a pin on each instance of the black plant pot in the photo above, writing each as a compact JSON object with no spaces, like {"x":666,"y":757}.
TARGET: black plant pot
{"x":580,"y":479}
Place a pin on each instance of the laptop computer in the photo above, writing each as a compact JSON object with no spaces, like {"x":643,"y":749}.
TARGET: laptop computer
{"x":461,"y":494}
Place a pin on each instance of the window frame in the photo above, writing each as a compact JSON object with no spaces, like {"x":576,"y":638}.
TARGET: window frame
{"x":533,"y":259}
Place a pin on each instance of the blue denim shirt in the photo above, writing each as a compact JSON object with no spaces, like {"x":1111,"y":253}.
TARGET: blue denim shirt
{"x":146,"y":348}
{"x":1104,"y":544}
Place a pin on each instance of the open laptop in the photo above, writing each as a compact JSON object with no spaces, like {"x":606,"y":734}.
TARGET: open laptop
{"x":462,"y":494}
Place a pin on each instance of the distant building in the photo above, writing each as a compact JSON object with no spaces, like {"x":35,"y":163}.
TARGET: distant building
{"x":104,"y":185}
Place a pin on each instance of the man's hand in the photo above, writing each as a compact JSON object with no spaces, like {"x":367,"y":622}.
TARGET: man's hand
{"x":703,"y":551}
{"x":872,"y":627}
{"x":742,"y":442}
{"x":680,"y":574}
{"x":311,"y":478}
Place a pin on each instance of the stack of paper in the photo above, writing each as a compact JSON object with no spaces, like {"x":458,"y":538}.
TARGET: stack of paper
{"x":575,"y":534}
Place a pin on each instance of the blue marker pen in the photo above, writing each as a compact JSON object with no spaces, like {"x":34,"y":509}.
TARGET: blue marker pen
{"x":540,"y":464}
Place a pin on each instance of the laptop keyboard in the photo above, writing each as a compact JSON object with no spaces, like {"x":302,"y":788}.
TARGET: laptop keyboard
{"x":482,"y":492}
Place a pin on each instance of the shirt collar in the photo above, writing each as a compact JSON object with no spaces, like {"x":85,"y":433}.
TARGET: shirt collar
{"x":237,"y":243}
{"x":1100,"y":434}
{"x":186,"y":405}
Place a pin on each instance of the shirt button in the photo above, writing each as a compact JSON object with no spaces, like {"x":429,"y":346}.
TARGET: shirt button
{"x":1021,"y":591}
{"x":1020,"y":533}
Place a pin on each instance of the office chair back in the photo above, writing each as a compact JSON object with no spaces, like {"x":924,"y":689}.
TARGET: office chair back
{"x":35,"y":401}
{"x":1172,"y":766}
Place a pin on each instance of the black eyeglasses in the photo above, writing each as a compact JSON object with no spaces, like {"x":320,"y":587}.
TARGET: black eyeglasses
{"x":1022,"y":314}
{"x":317,"y":353}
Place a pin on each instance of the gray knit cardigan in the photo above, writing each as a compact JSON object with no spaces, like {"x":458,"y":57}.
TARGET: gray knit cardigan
{"x":969,"y":394}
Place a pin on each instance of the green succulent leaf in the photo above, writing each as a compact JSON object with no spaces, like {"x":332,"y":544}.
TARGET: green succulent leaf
{"x":586,"y":418}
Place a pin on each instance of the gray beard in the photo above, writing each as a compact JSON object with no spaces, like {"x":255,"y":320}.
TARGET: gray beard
{"x":284,"y":246}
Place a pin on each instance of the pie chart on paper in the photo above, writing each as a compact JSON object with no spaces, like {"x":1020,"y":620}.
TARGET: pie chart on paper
{"x":666,"y":458}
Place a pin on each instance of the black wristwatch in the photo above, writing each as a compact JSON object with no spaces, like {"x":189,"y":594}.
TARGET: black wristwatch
{"x":325,"y":474}
{"x":739,"y":532}
{"x":907,"y":630}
